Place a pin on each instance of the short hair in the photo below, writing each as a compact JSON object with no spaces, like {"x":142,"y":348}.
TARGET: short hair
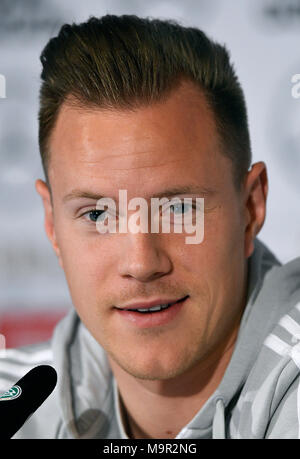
{"x":126,"y":62}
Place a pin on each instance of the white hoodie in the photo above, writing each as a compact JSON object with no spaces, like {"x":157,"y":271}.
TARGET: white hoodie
{"x":258,"y":397}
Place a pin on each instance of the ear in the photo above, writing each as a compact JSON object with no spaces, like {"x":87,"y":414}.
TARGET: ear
{"x":256,"y":191}
{"x":44,"y":192}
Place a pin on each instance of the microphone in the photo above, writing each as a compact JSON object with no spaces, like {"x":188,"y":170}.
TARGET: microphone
{"x":24,"y":398}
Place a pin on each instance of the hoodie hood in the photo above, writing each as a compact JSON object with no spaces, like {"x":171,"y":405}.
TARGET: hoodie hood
{"x":86,"y":383}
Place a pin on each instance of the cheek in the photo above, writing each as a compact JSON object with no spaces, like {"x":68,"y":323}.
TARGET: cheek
{"x":216,"y":266}
{"x":223,"y":241}
{"x":86,"y":263}
{"x":224,"y":232}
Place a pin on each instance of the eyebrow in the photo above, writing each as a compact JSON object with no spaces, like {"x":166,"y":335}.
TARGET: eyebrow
{"x":187,"y":189}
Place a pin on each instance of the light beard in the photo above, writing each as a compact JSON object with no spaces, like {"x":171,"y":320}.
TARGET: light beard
{"x":157,"y":372}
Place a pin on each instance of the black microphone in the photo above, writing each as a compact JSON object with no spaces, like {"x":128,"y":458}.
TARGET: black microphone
{"x":24,"y":398}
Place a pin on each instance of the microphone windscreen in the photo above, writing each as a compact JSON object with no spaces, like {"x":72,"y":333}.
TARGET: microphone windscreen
{"x":24,"y":398}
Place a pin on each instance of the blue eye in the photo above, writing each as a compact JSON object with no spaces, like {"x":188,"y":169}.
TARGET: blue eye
{"x":180,"y":207}
{"x":94,"y":215}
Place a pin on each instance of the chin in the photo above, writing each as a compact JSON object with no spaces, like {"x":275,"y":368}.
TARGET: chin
{"x":152,"y":374}
{"x":153,"y":367}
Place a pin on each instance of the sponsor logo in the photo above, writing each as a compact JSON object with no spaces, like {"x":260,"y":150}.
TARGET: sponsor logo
{"x":273,"y":16}
{"x":281,"y":14}
{"x":11,"y":394}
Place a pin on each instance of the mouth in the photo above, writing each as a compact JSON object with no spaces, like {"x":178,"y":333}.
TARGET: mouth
{"x":154,"y":315}
{"x":154,"y":309}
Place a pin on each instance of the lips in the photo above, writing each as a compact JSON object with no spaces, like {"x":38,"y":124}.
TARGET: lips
{"x":151,"y":306}
{"x":145,"y":318}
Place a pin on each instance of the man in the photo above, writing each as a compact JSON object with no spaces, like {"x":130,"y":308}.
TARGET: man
{"x":156,"y":109}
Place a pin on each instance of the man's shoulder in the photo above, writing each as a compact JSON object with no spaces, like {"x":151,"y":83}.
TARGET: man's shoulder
{"x":16,"y":362}
{"x":268,"y":405}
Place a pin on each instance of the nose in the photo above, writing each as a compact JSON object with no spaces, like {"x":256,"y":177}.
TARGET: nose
{"x":143,"y":259}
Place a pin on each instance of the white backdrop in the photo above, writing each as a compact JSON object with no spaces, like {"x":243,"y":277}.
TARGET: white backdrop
{"x":263,"y":37}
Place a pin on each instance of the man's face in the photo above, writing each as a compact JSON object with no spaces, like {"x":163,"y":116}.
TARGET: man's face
{"x":166,"y":145}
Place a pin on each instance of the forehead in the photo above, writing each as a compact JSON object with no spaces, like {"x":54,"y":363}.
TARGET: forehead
{"x":174,"y":138}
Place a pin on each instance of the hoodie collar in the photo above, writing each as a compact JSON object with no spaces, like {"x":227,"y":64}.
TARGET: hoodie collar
{"x":84,"y":386}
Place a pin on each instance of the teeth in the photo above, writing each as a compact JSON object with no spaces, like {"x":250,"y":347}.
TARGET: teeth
{"x":155,"y":308}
